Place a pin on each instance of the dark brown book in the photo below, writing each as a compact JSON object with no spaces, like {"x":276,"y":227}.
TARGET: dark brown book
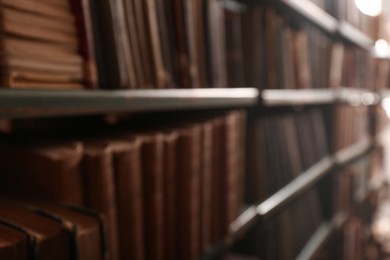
{"x":234,"y":49}
{"x":100,"y":190}
{"x":143,"y":37}
{"x":165,"y":27}
{"x":171,"y":195}
{"x":14,"y":243}
{"x":51,"y":239}
{"x":109,"y":30}
{"x":216,"y":35}
{"x":188,"y":167}
{"x":85,"y":229}
{"x":182,"y":55}
{"x":152,"y":21}
{"x":206,"y":186}
{"x":152,"y":165}
{"x":253,"y":47}
{"x":49,"y":169}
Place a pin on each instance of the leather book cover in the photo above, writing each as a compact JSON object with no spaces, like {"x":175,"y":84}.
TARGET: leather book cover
{"x":100,"y":189}
{"x":217,"y":175}
{"x":40,"y":8}
{"x":190,"y":12}
{"x":270,"y":46}
{"x":81,"y":10}
{"x":38,"y":20}
{"x":166,"y":41}
{"x":14,"y":243}
{"x":201,"y":43}
{"x":135,"y":44}
{"x":155,"y":43}
{"x":84,"y":229}
{"x":234,"y":49}
{"x":142,"y":33}
{"x":303,"y":69}
{"x":51,"y":239}
{"x":171,"y":195}
{"x":111,"y":61}
{"x":129,"y":197}
{"x":215,"y":15}
{"x":189,"y":162}
{"x":206,"y":186}
{"x":20,"y":48}
{"x":152,"y":165}
{"x":63,"y":4}
{"x":253,"y":47}
{"x":182,"y":55}
{"x":49,"y":169}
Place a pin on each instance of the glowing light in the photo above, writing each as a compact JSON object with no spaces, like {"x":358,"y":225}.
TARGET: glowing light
{"x":382,"y":48}
{"x":369,"y":7}
{"x":386,"y":106}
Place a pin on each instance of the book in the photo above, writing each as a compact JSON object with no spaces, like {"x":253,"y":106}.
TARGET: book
{"x":45,"y":168}
{"x":14,"y":243}
{"x":50,"y":238}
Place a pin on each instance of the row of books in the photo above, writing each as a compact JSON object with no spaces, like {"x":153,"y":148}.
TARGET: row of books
{"x":282,"y":148}
{"x":162,"y":194}
{"x":169,"y":44}
{"x":45,"y":45}
{"x":351,"y":124}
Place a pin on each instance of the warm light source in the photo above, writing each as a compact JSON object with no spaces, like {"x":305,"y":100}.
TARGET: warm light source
{"x":382,"y":48}
{"x":369,"y":7}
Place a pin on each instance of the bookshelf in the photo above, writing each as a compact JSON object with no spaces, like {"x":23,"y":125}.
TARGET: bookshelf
{"x":34,"y":103}
{"x":258,"y":101}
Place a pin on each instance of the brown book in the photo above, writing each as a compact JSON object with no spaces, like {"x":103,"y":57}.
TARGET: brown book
{"x":21,"y":28}
{"x":171,"y":195}
{"x":49,"y":169}
{"x":51,"y":239}
{"x":82,"y":9}
{"x":189,"y":162}
{"x":253,"y":47}
{"x":160,"y":72}
{"x":20,"y":16}
{"x":41,"y":65}
{"x":336,"y":65}
{"x":206,"y":186}
{"x":152,"y":165}
{"x":182,"y":55}
{"x":234,"y":51}
{"x":303,"y":76}
{"x":215,"y":16}
{"x":100,"y":190}
{"x":19,"y":48}
{"x":40,"y":8}
{"x":135,"y":44}
{"x":146,"y":54}
{"x":130,"y":198}
{"x":84,"y":228}
{"x":14,"y":244}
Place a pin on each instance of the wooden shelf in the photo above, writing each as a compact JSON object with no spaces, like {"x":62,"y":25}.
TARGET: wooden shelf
{"x":237,"y":228}
{"x":322,"y":235}
{"x":357,"y":97}
{"x":294,"y":188}
{"x":28,"y":103}
{"x":355,"y":36}
{"x":353,"y":152}
{"x":313,"y":14}
{"x":287,"y":97}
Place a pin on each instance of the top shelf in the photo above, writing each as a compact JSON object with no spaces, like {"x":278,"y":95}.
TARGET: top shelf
{"x":29,"y":103}
{"x":328,"y":23}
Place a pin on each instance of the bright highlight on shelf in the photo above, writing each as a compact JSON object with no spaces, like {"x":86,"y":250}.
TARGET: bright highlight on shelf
{"x":386,"y":106}
{"x":369,"y":7}
{"x":382,"y":48}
